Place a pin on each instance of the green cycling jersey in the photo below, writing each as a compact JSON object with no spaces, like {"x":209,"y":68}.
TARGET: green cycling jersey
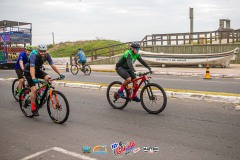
{"x":128,"y":58}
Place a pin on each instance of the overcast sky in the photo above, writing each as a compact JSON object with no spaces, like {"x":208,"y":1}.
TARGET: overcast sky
{"x":123,"y":20}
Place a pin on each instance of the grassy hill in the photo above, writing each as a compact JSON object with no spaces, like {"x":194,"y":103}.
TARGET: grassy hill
{"x":64,"y":49}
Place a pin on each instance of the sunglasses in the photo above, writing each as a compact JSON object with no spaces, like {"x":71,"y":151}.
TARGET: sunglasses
{"x":42,"y":51}
{"x":137,"y":49}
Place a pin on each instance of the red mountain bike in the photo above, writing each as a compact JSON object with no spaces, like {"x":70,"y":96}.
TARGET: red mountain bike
{"x":153,"y":97}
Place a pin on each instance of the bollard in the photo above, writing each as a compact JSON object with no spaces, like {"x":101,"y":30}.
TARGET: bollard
{"x":67,"y":69}
{"x":207,"y":75}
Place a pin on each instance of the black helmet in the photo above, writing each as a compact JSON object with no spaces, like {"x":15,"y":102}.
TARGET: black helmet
{"x":135,"y":45}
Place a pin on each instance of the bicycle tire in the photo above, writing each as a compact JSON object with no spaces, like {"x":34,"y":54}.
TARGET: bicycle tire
{"x":74,"y":69}
{"x":155,"y":93}
{"x":109,"y":95}
{"x":58,"y":108}
{"x":14,"y":87}
{"x":87,"y":69}
{"x":25,"y":103}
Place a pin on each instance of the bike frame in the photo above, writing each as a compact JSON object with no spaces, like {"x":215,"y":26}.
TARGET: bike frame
{"x":48,"y":87}
{"x":143,"y":80}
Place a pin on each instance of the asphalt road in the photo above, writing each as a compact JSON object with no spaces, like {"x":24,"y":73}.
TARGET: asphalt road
{"x":227,"y":85}
{"x":185,"y":130}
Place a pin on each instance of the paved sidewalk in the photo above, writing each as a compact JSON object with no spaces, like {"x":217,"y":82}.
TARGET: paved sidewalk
{"x":232,"y":72}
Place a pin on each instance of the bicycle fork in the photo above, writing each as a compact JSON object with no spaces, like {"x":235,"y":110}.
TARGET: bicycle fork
{"x":52,"y":100}
{"x":149,"y":91}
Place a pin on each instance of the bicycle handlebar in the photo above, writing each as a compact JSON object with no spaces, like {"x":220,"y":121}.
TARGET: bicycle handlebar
{"x":142,"y":73}
{"x":43,"y":82}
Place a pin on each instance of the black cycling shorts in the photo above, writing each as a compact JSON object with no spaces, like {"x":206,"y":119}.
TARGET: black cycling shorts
{"x":125,"y":73}
{"x":38,"y":74}
{"x":19,"y":73}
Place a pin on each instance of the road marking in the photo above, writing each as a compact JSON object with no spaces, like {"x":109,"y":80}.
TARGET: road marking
{"x":36,"y":154}
{"x":187,"y":80}
{"x":61,"y":150}
{"x":175,"y":79}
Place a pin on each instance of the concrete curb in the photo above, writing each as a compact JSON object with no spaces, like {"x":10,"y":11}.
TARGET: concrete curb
{"x":170,"y":94}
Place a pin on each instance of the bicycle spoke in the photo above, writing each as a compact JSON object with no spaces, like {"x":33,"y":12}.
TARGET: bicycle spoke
{"x":59,"y":114}
{"x":113,"y":96}
{"x":25,"y":103}
{"x":153,"y":98}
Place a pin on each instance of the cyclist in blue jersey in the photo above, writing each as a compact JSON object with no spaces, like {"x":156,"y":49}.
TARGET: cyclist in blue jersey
{"x":19,"y":66}
{"x":81,"y":57}
{"x":125,"y":69}
{"x":33,"y":71}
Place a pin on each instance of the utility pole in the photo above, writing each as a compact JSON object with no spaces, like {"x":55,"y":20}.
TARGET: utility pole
{"x":191,"y":24}
{"x":53,"y":37}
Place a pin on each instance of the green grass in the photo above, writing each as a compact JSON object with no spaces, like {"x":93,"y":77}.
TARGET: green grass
{"x":64,"y":49}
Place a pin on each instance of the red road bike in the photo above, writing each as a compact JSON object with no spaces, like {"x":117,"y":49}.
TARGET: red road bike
{"x":152,"y":96}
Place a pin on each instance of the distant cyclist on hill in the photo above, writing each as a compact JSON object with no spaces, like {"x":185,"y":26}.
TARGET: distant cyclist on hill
{"x":81,"y":57}
{"x":125,"y":69}
{"x":19,"y":66}
{"x":33,"y":71}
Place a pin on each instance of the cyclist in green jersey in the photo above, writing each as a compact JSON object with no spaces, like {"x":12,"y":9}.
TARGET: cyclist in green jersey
{"x":125,"y":69}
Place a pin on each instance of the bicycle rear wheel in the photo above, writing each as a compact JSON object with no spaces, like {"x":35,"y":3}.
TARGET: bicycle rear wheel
{"x":153,"y":98}
{"x":87,"y":70}
{"x":25,"y":102}
{"x":14,"y":87}
{"x":113,"y":98}
{"x":74,"y":69}
{"x":58,"y":107}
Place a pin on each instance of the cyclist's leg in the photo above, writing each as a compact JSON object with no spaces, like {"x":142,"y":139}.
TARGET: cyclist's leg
{"x":125,"y":75}
{"x":133,"y":76}
{"x":43,"y":75}
{"x":19,"y":73}
{"x":33,"y":92}
{"x":83,"y":64}
{"x":79,"y":64}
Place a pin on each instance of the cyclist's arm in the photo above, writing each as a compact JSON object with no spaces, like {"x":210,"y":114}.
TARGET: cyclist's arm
{"x":143,"y":63}
{"x":32,"y":65}
{"x":129,"y":63}
{"x":20,"y":61}
{"x":21,"y":64}
{"x":32,"y":72}
{"x":54,"y":67}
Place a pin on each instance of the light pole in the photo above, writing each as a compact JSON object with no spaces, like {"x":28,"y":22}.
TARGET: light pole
{"x":53,"y":37}
{"x":191,"y":24}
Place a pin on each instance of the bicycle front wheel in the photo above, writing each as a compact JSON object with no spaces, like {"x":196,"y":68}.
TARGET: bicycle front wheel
{"x":74,"y":69}
{"x":58,"y":107}
{"x":153,"y":98}
{"x":113,"y":97}
{"x":25,"y":102}
{"x":87,"y":70}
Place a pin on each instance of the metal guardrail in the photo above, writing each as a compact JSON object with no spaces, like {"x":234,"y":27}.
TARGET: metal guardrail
{"x":208,"y":37}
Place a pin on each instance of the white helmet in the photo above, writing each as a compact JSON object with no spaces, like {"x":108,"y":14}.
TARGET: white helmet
{"x":42,"y":47}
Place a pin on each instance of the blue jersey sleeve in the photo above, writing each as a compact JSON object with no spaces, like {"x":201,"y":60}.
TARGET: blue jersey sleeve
{"x":33,"y":58}
{"x":21,"y":56}
{"x":49,"y":59}
{"x":79,"y":55}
